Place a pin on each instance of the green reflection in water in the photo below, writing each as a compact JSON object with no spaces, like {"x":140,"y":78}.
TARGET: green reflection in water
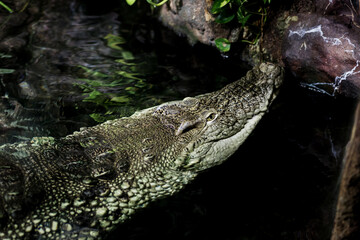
{"x":119,"y":92}
{"x":6,"y":71}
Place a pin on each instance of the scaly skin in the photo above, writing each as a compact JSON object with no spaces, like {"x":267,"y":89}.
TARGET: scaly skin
{"x":83,"y":185}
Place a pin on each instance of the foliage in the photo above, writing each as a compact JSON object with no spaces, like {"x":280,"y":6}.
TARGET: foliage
{"x":251,"y":14}
{"x":155,"y":3}
{"x":130,"y":2}
{"x":222,"y":44}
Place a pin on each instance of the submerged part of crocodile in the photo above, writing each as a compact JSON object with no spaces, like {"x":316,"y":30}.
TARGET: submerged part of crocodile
{"x":83,"y":185}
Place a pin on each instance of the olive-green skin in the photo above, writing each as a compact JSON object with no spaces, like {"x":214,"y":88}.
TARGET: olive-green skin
{"x":85,"y":184}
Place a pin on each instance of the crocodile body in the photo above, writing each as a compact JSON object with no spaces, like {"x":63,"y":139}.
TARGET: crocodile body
{"x":83,"y":185}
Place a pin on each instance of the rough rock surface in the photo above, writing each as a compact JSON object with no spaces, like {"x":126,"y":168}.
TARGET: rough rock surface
{"x":324,"y":53}
{"x":320,"y":45}
{"x":194,"y":20}
{"x":347,"y":220}
{"x":317,"y":40}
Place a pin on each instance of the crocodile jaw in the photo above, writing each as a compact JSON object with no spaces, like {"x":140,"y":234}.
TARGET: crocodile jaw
{"x":224,"y":148}
{"x":214,"y":153}
{"x":222,"y":137}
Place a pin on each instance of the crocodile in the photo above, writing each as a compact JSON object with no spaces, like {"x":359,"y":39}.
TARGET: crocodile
{"x":83,"y":185}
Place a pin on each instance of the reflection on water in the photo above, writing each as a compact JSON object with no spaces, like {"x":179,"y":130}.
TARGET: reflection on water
{"x":60,"y":43}
{"x":79,"y":70}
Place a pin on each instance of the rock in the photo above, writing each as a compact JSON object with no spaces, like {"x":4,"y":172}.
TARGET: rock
{"x":14,"y":44}
{"x":321,"y":48}
{"x":318,"y":41}
{"x":324,"y":53}
{"x":347,"y":219}
{"x":194,"y":20}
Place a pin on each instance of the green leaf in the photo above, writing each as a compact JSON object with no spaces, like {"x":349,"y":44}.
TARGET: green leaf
{"x":94,"y":94}
{"x":128,"y":75}
{"x":244,"y":20}
{"x":131,"y":90}
{"x":6,"y":71}
{"x":120,"y":99}
{"x":130,"y":2}
{"x":223,"y":44}
{"x":224,"y":17}
{"x":90,"y":72}
{"x":243,"y":16}
{"x":240,"y":2}
{"x":127,"y":55}
{"x":98,"y":117}
{"x":123,"y":61}
{"x":113,"y":41}
{"x":155,"y":4}
{"x":218,"y":4}
{"x":97,"y":83}
{"x":5,"y":55}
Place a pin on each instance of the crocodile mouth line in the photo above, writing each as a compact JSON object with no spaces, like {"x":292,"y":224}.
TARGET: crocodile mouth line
{"x":220,"y":144}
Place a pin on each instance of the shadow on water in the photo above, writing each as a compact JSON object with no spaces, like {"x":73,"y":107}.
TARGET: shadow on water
{"x":281,"y":184}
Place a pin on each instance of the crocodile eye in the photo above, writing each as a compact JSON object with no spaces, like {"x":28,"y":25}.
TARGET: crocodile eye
{"x":211,"y":117}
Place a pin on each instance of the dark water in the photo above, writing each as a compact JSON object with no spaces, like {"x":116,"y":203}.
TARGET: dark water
{"x":82,"y":63}
{"x":281,"y":184}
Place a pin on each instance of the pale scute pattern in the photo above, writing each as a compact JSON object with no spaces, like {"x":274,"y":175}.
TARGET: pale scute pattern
{"x":83,"y":185}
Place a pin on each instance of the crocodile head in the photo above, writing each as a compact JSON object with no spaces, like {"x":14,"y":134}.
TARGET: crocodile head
{"x":212,"y":126}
